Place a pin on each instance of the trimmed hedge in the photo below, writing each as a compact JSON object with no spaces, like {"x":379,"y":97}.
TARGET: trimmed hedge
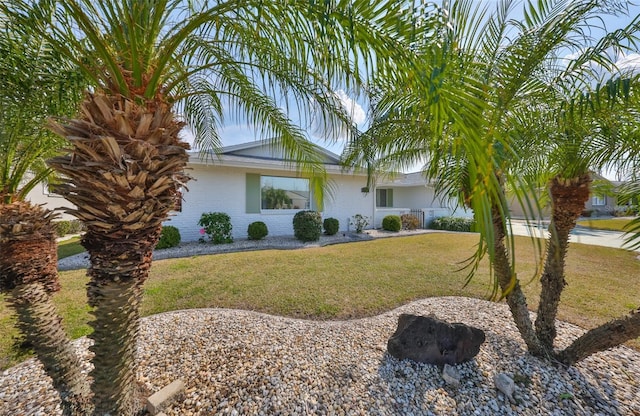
{"x":331,"y":226}
{"x":392,"y":223}
{"x":453,"y":224}
{"x":170,"y":237}
{"x":257,"y":230}
{"x":307,"y":225}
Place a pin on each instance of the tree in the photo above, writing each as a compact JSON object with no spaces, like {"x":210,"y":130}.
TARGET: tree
{"x":148,"y":60}
{"x":35,"y":82}
{"x":476,"y":74}
{"x":576,"y":132}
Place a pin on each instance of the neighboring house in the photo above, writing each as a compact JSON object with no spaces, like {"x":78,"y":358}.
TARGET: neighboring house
{"x":251,"y":182}
{"x":603,"y":200}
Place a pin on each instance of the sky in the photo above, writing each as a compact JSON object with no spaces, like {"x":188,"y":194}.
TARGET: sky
{"x":235,"y":133}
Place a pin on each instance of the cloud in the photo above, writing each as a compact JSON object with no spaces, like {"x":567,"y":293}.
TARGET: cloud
{"x":629,"y":64}
{"x":355,"y":110}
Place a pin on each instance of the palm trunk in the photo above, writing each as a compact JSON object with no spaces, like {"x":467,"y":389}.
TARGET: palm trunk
{"x":28,"y":271}
{"x":124,"y":175}
{"x":602,"y":338}
{"x":510,"y":285}
{"x":568,"y":198}
{"x":115,"y":293}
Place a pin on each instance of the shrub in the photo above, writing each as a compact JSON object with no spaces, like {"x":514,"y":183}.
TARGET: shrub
{"x":307,"y":225}
{"x":65,"y":227}
{"x":409,"y":221}
{"x":453,"y":224}
{"x":392,"y":223}
{"x":170,"y":237}
{"x":331,"y":226}
{"x":62,"y":228}
{"x":257,"y":230}
{"x":217,"y":225}
{"x":360,"y":222}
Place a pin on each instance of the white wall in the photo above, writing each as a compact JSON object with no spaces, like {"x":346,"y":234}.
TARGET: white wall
{"x":223,"y":189}
{"x":39,"y":195}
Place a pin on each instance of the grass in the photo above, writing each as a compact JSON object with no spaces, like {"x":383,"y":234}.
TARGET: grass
{"x":355,"y":280}
{"x":69,"y":247}
{"x":611,"y":224}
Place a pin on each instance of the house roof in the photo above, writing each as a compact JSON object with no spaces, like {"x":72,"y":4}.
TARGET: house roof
{"x":261,"y":154}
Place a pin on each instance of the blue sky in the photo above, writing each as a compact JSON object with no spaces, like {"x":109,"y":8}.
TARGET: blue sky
{"x":235,"y":133}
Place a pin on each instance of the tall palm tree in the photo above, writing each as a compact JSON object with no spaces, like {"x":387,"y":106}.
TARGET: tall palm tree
{"x":476,"y":71}
{"x":35,"y":82}
{"x":148,"y":60}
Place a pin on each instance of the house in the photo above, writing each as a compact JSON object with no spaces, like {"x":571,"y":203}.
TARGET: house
{"x":252,"y":182}
{"x":604,"y":200}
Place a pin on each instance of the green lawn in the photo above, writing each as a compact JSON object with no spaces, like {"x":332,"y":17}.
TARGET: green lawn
{"x":69,"y":247}
{"x":355,"y":280}
{"x":612,"y":224}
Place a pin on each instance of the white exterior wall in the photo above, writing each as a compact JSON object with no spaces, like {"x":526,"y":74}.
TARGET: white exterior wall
{"x":39,"y":196}
{"x":223,"y":189}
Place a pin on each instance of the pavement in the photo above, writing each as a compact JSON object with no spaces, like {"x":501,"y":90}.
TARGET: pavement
{"x":579,"y":234}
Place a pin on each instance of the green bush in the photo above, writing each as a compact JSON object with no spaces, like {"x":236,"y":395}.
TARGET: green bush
{"x":392,"y":223}
{"x":453,"y":224}
{"x":307,"y":225}
{"x":65,"y":227}
{"x":331,"y":226}
{"x":170,"y":237}
{"x":217,"y":225}
{"x":62,"y":228}
{"x":257,"y":230}
{"x":409,"y":221}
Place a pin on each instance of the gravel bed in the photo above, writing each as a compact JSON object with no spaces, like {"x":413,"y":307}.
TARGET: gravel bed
{"x":81,"y":261}
{"x":246,"y":363}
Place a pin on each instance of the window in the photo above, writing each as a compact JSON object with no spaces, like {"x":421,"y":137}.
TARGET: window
{"x":384,"y":198}
{"x":277,"y":192}
{"x":599,"y":200}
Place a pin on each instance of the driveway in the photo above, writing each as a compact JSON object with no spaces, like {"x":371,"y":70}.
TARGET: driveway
{"x":579,"y":234}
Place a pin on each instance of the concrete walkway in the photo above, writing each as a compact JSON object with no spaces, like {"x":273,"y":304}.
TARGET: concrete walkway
{"x":579,"y":234}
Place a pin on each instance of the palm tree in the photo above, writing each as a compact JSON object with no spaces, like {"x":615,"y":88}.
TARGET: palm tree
{"x":476,"y":73}
{"x":576,"y":132}
{"x":149,"y":59}
{"x":34,"y":83}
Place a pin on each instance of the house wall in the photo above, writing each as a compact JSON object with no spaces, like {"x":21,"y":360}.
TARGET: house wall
{"x":223,"y":189}
{"x":39,"y":195}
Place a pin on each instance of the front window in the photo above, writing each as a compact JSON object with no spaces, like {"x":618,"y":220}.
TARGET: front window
{"x":598,"y":200}
{"x":384,"y":198}
{"x":279,"y":192}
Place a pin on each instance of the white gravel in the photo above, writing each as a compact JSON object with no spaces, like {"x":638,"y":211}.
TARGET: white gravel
{"x":246,"y":363}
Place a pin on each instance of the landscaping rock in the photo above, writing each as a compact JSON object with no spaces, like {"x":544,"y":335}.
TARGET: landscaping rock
{"x":505,"y":384}
{"x":427,"y":339}
{"x":450,"y":375}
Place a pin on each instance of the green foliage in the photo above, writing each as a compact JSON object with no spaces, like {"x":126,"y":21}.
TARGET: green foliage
{"x":65,"y":227}
{"x":273,"y":198}
{"x":331,"y":226}
{"x":409,"y":221}
{"x":257,"y":230}
{"x":392,"y":223}
{"x":217,"y":225}
{"x":307,"y":225}
{"x":170,"y":237}
{"x":360,"y":222}
{"x":453,"y":224}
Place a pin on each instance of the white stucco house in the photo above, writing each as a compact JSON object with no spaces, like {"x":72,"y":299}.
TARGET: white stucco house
{"x":243,"y":181}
